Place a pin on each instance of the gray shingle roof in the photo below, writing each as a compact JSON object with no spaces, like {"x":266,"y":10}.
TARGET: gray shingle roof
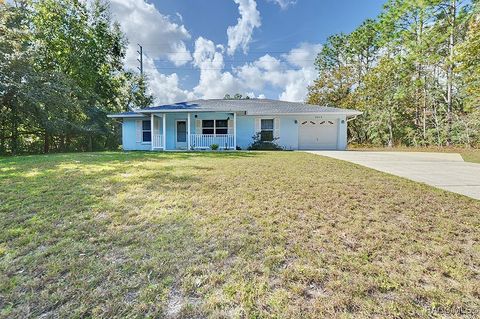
{"x":250,"y":107}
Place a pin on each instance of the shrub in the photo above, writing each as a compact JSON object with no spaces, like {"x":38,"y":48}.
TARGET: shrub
{"x":214,"y":147}
{"x":259,"y":145}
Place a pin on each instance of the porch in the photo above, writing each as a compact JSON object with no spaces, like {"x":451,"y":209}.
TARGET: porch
{"x":189,"y":131}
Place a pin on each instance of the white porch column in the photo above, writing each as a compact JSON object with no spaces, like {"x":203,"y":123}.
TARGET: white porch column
{"x":234,"y":131}
{"x":188,"y":132}
{"x":152,"y":137}
{"x":164,"y":127}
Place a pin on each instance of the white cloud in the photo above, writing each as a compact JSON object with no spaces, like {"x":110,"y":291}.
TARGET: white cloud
{"x":292,"y":74}
{"x":214,"y":83}
{"x":165,"y":87}
{"x":161,"y":38}
{"x":284,"y":3}
{"x":144,"y":24}
{"x":303,"y":56}
{"x":240,"y":35}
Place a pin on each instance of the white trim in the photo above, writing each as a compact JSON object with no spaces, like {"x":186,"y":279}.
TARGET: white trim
{"x":126,"y":115}
{"x":164,"y":129}
{"x":192,"y":111}
{"x":243,"y":113}
{"x":151,"y":130}
{"x":234,"y":131}
{"x":259,"y":119}
{"x":142,"y":131}
{"x":176,"y":142}
{"x":214,"y":127}
{"x":188,"y":131}
{"x":304,"y":114}
{"x":349,"y":113}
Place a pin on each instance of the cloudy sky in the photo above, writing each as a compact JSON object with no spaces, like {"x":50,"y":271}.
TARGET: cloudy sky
{"x":261,"y":48}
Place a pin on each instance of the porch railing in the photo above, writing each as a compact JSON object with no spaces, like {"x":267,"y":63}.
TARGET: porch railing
{"x":157,"y":141}
{"x":204,"y":141}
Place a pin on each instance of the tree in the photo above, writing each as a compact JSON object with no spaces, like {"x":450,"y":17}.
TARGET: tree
{"x":336,"y":74}
{"x":237,"y":96}
{"x":413,"y":71}
{"x":61,"y":72}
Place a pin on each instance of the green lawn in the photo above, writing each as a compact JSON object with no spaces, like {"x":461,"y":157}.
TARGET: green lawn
{"x":468,"y":154}
{"x":230,"y":235}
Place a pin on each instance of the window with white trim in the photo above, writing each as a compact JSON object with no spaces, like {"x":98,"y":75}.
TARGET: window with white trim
{"x":266,"y":130}
{"x":146,"y":131}
{"x":214,"y":126}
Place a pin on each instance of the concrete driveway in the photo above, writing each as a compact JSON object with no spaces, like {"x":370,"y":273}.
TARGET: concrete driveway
{"x":447,"y":171}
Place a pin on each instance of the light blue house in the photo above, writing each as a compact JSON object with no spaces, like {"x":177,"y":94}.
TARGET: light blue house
{"x":232,"y":124}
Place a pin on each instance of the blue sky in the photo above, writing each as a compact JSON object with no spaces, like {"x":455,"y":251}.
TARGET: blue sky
{"x":204,"y":49}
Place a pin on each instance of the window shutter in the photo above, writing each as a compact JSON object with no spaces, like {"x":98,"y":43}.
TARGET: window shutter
{"x":138,"y":130}
{"x":276,"y":128}
{"x":258,"y":127}
{"x":230,"y":126}
{"x":156,"y":125}
{"x":198,"y":126}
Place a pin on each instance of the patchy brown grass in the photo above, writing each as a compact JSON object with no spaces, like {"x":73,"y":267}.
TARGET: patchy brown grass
{"x":230,"y":235}
{"x":468,"y":154}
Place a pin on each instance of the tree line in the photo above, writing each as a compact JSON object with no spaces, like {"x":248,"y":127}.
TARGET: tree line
{"x":414,"y":71}
{"x":61,"y":72}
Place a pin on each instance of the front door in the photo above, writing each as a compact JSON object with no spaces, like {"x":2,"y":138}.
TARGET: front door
{"x":181,"y":135}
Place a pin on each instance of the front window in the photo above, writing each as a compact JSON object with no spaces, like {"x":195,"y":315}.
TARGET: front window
{"x":215,"y":127}
{"x":146,"y":131}
{"x":221,"y":127}
{"x":266,"y":133}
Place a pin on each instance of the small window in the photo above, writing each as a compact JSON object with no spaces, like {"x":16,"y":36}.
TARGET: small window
{"x":266,"y":133}
{"x":146,"y":131}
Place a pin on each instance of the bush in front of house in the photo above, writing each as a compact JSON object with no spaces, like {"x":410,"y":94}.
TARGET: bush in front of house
{"x":214,"y":147}
{"x":259,"y":145}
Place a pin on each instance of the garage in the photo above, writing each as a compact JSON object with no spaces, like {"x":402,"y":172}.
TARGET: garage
{"x":318,"y":134}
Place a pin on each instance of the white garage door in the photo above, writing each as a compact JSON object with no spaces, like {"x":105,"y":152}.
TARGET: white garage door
{"x":317,"y":134}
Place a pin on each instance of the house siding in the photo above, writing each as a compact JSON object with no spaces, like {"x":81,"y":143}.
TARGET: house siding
{"x":129,"y":140}
{"x":288,"y":135}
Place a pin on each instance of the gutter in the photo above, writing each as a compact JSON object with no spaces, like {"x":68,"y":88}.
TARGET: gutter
{"x":353,"y":118}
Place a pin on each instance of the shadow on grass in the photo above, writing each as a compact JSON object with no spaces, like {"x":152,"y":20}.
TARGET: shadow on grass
{"x":12,"y":166}
{"x":83,"y":222}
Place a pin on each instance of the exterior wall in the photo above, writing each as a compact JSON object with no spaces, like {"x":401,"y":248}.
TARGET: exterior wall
{"x":288,"y":135}
{"x":245,"y":131}
{"x":288,"y":138}
{"x":129,"y":136}
{"x":342,"y":133}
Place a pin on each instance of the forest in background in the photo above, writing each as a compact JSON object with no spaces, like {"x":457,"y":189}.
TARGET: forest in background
{"x":61,"y":72}
{"x":414,"y":71}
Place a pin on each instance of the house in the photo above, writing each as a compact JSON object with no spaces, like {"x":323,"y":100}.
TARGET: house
{"x":232,"y":124}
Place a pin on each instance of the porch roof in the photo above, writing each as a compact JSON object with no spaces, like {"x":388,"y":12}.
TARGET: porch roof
{"x":248,"y":107}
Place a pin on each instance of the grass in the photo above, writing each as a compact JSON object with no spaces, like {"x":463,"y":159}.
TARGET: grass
{"x":230,"y":235}
{"x":468,"y":154}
